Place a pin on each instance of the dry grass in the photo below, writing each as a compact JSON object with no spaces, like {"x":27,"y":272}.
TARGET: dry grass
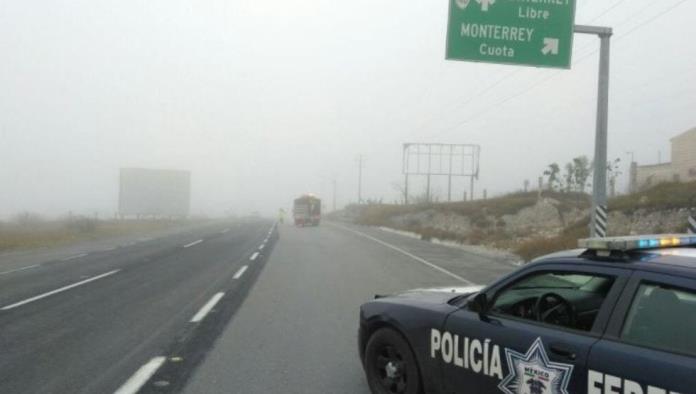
{"x":665,"y":196}
{"x":40,"y":234}
{"x":568,"y":239}
{"x":660,"y":197}
{"x":477,"y":211}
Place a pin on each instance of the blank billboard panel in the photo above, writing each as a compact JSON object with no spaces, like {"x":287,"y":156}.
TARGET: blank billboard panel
{"x":154,"y":192}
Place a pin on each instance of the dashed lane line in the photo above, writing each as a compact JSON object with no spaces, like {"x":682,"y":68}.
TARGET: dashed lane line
{"x":141,"y":376}
{"x":240,"y":272}
{"x":194,"y":243}
{"x":19,"y":269}
{"x":203,"y":312}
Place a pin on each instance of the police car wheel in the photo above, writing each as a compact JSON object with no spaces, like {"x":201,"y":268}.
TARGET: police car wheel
{"x":390,"y":364}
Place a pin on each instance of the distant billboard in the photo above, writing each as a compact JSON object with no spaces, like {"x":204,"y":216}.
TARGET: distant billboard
{"x":154,"y":192}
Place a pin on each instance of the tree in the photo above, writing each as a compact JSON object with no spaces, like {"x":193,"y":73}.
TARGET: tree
{"x":401,"y":188}
{"x":552,"y":176}
{"x":569,"y":177}
{"x":581,"y":172}
{"x":613,"y":172}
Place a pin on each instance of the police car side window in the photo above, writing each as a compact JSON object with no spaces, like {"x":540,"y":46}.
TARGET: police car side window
{"x":662,"y":317}
{"x":565,"y":299}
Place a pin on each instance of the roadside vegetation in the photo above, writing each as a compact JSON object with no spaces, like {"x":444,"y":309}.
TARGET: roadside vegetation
{"x":28,"y":230}
{"x":663,"y":197}
{"x":488,"y":228}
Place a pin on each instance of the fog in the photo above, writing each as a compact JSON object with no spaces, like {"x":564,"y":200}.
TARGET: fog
{"x":266,"y":100}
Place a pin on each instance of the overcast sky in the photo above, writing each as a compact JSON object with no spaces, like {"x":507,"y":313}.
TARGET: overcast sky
{"x":265,"y":100}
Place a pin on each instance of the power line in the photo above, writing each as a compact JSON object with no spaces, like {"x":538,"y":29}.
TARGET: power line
{"x":654,"y":18}
{"x":492,"y":86}
{"x":606,"y":11}
{"x":494,"y":105}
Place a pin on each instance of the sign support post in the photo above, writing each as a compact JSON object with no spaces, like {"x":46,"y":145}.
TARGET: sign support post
{"x":599,"y":180}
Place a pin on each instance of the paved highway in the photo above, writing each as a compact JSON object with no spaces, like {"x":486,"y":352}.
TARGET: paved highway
{"x":225,"y":308}
{"x":86,"y":323}
{"x":297,"y":330}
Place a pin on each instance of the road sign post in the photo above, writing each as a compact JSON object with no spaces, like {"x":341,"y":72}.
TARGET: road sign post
{"x":535,"y":33}
{"x":598,"y":227}
{"x":512,"y":32}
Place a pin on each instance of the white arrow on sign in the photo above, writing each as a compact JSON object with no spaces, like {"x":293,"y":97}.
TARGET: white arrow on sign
{"x":485,"y":4}
{"x":550,"y":46}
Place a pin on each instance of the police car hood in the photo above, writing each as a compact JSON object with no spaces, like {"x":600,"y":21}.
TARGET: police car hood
{"x":438,"y":294}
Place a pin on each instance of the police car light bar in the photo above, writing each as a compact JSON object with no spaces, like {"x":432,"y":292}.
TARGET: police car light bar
{"x":638,"y":242}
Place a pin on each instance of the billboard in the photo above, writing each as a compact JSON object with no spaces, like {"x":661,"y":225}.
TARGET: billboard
{"x":154,"y":192}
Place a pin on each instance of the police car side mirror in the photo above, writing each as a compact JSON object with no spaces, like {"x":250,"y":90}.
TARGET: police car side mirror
{"x":479,"y":304}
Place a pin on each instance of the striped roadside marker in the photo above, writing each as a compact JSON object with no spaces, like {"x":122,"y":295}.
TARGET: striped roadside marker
{"x":600,"y":222}
{"x":692,"y":224}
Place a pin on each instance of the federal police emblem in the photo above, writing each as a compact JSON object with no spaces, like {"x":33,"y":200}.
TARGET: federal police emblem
{"x":534,"y":373}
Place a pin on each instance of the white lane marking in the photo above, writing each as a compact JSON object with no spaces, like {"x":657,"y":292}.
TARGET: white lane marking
{"x":19,"y":269}
{"x":405,"y":253}
{"x":109,"y":249}
{"x":77,"y":256}
{"x":254,"y":256}
{"x":225,"y":231}
{"x":241,"y":272}
{"x":263,"y":245}
{"x":194,"y":243}
{"x":60,"y":290}
{"x":206,"y":308}
{"x":141,"y":376}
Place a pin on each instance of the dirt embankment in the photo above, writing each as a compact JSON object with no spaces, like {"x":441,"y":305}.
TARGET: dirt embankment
{"x":530,"y":225}
{"x":39,"y":233}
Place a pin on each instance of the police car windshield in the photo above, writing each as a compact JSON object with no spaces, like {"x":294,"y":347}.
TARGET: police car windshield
{"x":551,"y":281}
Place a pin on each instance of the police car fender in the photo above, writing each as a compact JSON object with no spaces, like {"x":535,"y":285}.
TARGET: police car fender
{"x":531,"y":372}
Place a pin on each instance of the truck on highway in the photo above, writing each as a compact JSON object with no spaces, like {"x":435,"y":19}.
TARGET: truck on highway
{"x":307,"y":210}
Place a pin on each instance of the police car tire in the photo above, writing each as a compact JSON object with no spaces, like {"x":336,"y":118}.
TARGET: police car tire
{"x":389,"y":337}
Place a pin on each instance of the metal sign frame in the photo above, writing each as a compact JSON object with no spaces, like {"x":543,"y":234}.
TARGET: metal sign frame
{"x":425,"y":156}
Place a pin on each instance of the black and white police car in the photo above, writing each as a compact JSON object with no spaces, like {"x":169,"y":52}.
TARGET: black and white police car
{"x":615,"y":317}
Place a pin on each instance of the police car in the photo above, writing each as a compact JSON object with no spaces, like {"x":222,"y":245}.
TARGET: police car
{"x":615,"y":317}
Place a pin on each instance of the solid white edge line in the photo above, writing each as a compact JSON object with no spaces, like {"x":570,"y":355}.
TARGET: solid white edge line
{"x":254,"y":256}
{"x":194,"y":243}
{"x":405,"y":253}
{"x":141,"y":376}
{"x":19,"y":269}
{"x":241,"y":272}
{"x":56,"y":291}
{"x":200,"y":315}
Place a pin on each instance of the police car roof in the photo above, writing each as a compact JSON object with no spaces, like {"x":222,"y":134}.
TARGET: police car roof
{"x":677,"y":260}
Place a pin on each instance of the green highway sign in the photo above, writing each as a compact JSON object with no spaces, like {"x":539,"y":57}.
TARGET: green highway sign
{"x":524,"y":32}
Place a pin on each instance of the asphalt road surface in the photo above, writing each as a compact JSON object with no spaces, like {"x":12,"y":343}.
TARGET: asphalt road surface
{"x":297,"y":330}
{"x":244,"y":307}
{"x":86,"y":323}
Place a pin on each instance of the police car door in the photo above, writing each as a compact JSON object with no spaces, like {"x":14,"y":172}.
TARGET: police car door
{"x":535,"y":336}
{"x":650,"y":344}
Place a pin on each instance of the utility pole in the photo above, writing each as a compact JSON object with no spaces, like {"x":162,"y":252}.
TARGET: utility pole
{"x":599,"y":180}
{"x":334,"y":195}
{"x":449,"y":177}
{"x":360,"y":168}
{"x":471,"y":188}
